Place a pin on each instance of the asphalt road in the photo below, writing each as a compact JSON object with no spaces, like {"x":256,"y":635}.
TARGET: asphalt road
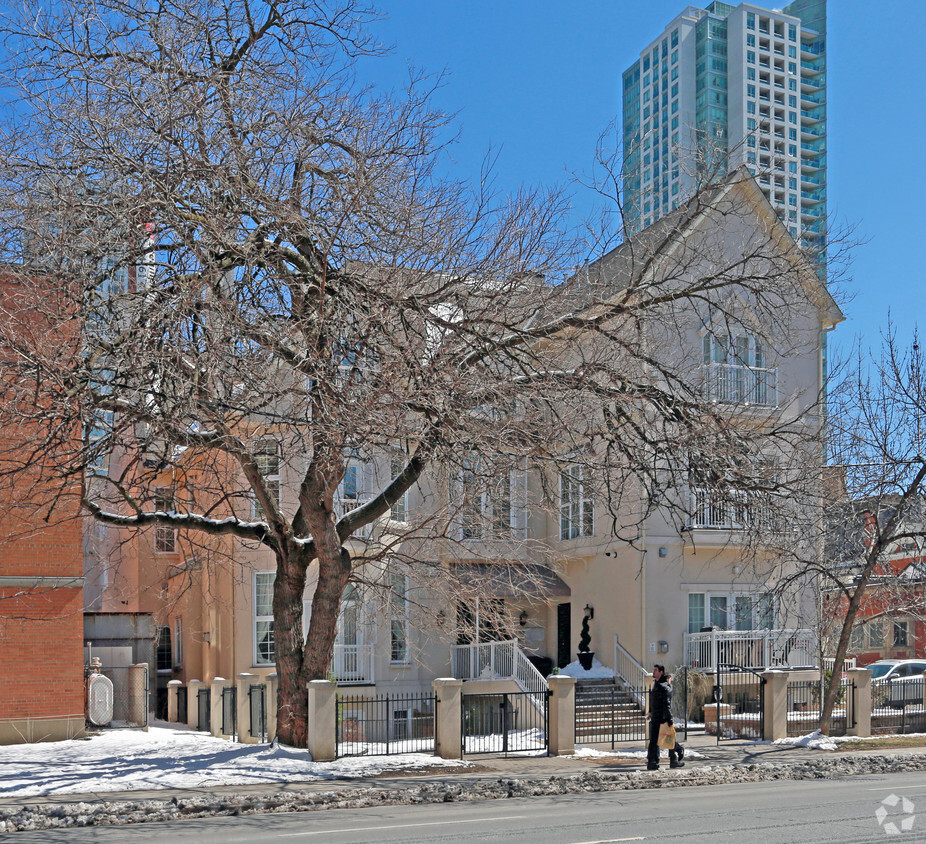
{"x":844,"y":810}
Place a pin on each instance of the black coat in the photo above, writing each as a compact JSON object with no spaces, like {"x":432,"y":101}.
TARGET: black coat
{"x":660,"y":702}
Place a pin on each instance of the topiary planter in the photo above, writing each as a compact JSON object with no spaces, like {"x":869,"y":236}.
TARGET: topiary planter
{"x":585,"y":659}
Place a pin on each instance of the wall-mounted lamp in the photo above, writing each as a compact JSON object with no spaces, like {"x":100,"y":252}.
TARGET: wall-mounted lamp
{"x":589,"y":610}
{"x":522,"y":619}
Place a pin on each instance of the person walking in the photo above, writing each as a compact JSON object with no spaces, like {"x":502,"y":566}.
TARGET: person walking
{"x":660,"y":712}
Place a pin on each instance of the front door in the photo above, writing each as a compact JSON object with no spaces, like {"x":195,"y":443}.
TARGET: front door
{"x":563,"y":635}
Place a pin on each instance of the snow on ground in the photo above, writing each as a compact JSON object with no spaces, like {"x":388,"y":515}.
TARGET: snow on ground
{"x":123,"y":760}
{"x":591,"y":752}
{"x":596,"y":672}
{"x":817,"y":741}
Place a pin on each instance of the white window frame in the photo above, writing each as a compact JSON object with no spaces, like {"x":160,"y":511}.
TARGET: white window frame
{"x":269,"y":464}
{"x":576,"y":505}
{"x":399,"y":510}
{"x":731,"y":597}
{"x":269,"y":577}
{"x":492,"y":509}
{"x":165,"y":536}
{"x":398,"y":618}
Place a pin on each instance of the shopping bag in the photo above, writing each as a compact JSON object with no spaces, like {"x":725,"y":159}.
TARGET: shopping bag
{"x":666,"y":738}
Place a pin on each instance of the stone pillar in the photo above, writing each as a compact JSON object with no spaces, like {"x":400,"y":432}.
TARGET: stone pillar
{"x":215,"y":702}
{"x":714,"y":713}
{"x":244,"y":710}
{"x":138,"y":698}
{"x":270,"y":700}
{"x":775,"y":716}
{"x":858,"y":706}
{"x":562,"y":715}
{"x":192,"y":703}
{"x":448,"y":743}
{"x":172,"y":687}
{"x":323,"y":720}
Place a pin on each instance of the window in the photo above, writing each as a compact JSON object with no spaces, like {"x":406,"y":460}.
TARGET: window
{"x":267,"y":458}
{"x":577,"y":511}
{"x":874,"y":635}
{"x":750,"y":57}
{"x":178,"y":642}
{"x":165,"y":537}
{"x":264,"y":649}
{"x":751,"y":74}
{"x":792,"y":32}
{"x":729,"y":611}
{"x":400,"y":508}
{"x":98,"y":436}
{"x":398,"y":623}
{"x":792,"y":52}
{"x":900,"y":634}
{"x":164,"y":655}
{"x":750,"y":40}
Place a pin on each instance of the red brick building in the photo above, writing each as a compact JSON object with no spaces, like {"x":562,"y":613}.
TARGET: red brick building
{"x":41,"y":559}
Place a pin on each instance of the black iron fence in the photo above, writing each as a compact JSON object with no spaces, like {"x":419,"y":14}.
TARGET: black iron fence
{"x":606,"y":713}
{"x":805,"y":704}
{"x":386,"y":725}
{"x":230,"y":711}
{"x":897,"y":705}
{"x":204,"y":709}
{"x":257,"y":707}
{"x":507,"y":722}
{"x":182,"y":713}
{"x":740,"y":697}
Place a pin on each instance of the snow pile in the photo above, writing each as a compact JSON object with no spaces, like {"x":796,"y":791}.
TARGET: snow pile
{"x":596,"y":672}
{"x":129,"y":760}
{"x":815,"y":741}
{"x":591,"y":752}
{"x":818,"y":741}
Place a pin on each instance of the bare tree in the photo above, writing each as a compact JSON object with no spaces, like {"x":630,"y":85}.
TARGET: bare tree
{"x":875,"y":430}
{"x":267,"y":282}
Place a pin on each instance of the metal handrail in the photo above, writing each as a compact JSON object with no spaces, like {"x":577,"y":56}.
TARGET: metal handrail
{"x":630,"y":672}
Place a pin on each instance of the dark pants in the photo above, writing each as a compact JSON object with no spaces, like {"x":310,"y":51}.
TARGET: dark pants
{"x":652,"y":751}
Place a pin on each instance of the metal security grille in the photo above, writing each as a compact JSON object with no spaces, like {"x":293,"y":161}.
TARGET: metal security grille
{"x":508,"y":722}
{"x":257,"y":706}
{"x":230,"y":711}
{"x":897,"y":706}
{"x":386,"y":725}
{"x":204,"y":711}
{"x":607,"y":713}
{"x":740,"y":697}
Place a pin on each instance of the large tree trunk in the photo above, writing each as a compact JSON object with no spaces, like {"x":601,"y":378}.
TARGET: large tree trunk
{"x":292,"y":700}
{"x":298,"y":661}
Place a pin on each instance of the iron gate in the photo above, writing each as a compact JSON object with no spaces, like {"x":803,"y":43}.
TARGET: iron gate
{"x":204,"y":711}
{"x":386,"y":725}
{"x":739,"y":693}
{"x":182,"y":705}
{"x":506,"y":722}
{"x":257,"y":706}
{"x":230,"y":711}
{"x":608,"y":713}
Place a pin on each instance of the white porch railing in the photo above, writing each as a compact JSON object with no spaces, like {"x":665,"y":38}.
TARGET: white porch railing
{"x":847,"y":665}
{"x":756,"y":649}
{"x":353,"y":664}
{"x":630,"y":673}
{"x":737,"y":384}
{"x":497,"y":661}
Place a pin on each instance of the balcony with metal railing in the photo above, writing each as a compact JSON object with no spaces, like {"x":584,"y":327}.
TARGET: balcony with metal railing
{"x":759,"y":650}
{"x":731,"y":383}
{"x":353,"y":665}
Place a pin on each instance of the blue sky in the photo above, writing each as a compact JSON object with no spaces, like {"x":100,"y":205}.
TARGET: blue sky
{"x":538,"y":81}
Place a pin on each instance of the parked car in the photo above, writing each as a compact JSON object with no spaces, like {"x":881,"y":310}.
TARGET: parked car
{"x":897,"y":682}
